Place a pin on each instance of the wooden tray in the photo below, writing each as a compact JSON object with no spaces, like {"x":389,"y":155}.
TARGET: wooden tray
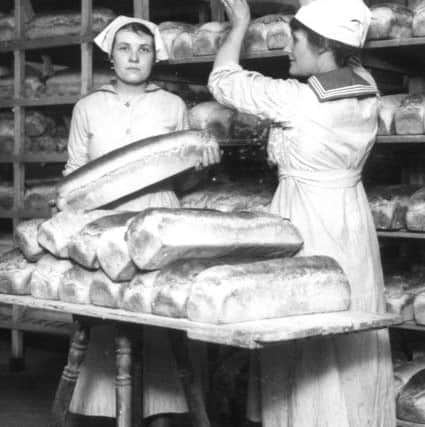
{"x":245,"y":334}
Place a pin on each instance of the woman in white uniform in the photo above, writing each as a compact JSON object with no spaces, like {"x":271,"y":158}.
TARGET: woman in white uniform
{"x":323,"y":132}
{"x":129,"y":109}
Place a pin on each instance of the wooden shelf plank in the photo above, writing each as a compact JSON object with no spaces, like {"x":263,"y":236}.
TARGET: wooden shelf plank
{"x":57,"y":41}
{"x":412,"y":41}
{"x":402,"y":234}
{"x":410,"y":325}
{"x":44,"y":157}
{"x":402,"y":139}
{"x":35,"y":102}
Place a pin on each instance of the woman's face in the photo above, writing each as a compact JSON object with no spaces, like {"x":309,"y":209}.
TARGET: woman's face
{"x":133,"y":56}
{"x":304,"y":58}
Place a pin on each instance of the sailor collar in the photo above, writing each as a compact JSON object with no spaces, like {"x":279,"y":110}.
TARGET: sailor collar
{"x":340,"y":84}
{"x":151,"y":87}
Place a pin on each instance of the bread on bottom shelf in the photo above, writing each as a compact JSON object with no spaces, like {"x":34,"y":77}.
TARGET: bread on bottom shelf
{"x":140,"y":293}
{"x":106,"y":293}
{"x":26,"y":239}
{"x":47,"y":276}
{"x":75,"y":285}
{"x":83,"y":245}
{"x":15,"y":273}
{"x":159,"y":236}
{"x":268,"y":289}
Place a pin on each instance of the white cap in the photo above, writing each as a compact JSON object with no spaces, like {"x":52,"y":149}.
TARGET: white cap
{"x":106,"y":37}
{"x":346,"y":21}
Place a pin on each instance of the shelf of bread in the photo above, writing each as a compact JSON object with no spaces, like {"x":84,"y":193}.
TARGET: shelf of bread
{"x":42,"y":101}
{"x":402,"y":139}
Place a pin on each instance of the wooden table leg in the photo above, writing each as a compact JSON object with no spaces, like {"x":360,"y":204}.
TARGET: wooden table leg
{"x":69,"y":377}
{"x":192,"y":385}
{"x":128,"y":381}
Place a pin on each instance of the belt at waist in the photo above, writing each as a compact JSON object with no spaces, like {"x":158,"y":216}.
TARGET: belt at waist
{"x":338,"y":178}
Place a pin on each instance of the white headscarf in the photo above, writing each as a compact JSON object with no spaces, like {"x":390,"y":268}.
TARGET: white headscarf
{"x":346,"y":21}
{"x":106,"y":37}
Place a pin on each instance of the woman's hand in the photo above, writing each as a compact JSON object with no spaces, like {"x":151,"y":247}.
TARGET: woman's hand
{"x":238,"y":13}
{"x":210,"y":156}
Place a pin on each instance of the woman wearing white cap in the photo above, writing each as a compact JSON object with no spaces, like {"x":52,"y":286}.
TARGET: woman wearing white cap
{"x":129,"y":109}
{"x":323,"y":133}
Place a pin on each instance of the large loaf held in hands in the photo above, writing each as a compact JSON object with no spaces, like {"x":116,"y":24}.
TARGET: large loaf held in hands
{"x":158,"y":236}
{"x":47,"y":276}
{"x":26,"y":234}
{"x":83,"y":245}
{"x":15,"y":273}
{"x":131,"y":168}
{"x":56,"y":233}
{"x":268,"y":289}
{"x":410,"y":402}
{"x":409,"y":117}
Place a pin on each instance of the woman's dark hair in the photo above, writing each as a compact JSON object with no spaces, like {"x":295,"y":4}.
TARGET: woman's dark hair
{"x":342,"y":52}
{"x":136,"y":27}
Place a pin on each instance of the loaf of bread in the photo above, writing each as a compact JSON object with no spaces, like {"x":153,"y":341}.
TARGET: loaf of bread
{"x":140,"y":293}
{"x":113,"y":254}
{"x":69,"y":23}
{"x":6,"y":196}
{"x":279,"y":34}
{"x":398,"y":299}
{"x":389,"y":205}
{"x":26,"y":233}
{"x":68,"y":82}
{"x":157,"y":237}
{"x":36,"y":124}
{"x":410,"y":116}
{"x":390,"y":21}
{"x":410,"y":403}
{"x":133,"y":167}
{"x":172,"y":31}
{"x":47,"y":276}
{"x":404,"y":372}
{"x":15,"y":273}
{"x":268,"y":289}
{"x":247,"y":126}
{"x":212,"y":116}
{"x":56,"y":233}
{"x":242,"y":195}
{"x":419,"y":309}
{"x":33,"y":86}
{"x":209,"y":37}
{"x":75,"y":285}
{"x":37,"y":198}
{"x":83,"y":245}
{"x":387,"y":109}
{"x":415,"y":215}
{"x":7,"y":27}
{"x":173,"y":285}
{"x":105,"y":292}
{"x":418,"y":24}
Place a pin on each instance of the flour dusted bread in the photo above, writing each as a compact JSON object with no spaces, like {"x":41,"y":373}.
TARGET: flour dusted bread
{"x":209,"y":37}
{"x":173,"y":285}
{"x":177,"y":37}
{"x":410,"y":403}
{"x":157,"y":237}
{"x":390,"y":21}
{"x":26,"y":239}
{"x":47,"y":276}
{"x":268,"y":289}
{"x":113,"y":254}
{"x":56,"y":233}
{"x":15,"y":273}
{"x":105,"y":292}
{"x":83,"y":245}
{"x":410,"y":116}
{"x":415,"y":215}
{"x":212,"y":116}
{"x":389,"y":205}
{"x":75,"y":285}
{"x":387,"y":109}
{"x":140,"y":293}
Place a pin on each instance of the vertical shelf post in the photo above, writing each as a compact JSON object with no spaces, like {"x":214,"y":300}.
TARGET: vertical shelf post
{"x":141,"y":9}
{"x":86,"y":47}
{"x":17,"y":356}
